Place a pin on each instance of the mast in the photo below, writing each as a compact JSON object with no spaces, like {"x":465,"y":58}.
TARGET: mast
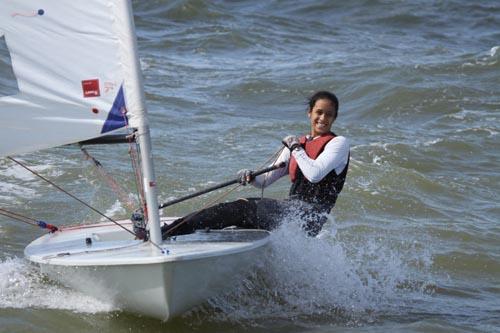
{"x":134,"y":90}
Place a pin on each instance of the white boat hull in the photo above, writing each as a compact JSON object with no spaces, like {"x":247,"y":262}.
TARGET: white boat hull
{"x":136,"y":277}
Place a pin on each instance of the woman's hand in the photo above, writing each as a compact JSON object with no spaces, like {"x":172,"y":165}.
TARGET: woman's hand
{"x":291,"y":142}
{"x":245,"y":176}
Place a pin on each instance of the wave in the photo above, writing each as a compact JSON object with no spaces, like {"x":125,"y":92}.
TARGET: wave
{"x":23,"y":287}
{"x":343,"y":275}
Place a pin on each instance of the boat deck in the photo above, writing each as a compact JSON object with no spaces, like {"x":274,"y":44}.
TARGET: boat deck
{"x":108,"y":244}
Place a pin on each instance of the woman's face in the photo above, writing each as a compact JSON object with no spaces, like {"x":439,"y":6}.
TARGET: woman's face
{"x":322,"y":116}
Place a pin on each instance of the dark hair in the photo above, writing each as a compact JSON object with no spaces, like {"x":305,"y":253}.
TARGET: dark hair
{"x":324,"y":95}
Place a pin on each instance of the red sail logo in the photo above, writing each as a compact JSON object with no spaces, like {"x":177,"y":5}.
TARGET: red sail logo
{"x":91,"y":88}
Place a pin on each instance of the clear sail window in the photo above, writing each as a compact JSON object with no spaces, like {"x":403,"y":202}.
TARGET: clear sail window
{"x":8,"y":82}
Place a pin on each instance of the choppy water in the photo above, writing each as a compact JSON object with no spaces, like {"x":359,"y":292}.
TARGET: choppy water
{"x":413,"y":245}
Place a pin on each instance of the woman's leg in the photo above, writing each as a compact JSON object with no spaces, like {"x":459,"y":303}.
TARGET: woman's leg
{"x":240,"y":213}
{"x":250,"y":213}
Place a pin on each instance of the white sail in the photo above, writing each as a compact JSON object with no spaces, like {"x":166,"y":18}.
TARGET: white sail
{"x":76,"y":68}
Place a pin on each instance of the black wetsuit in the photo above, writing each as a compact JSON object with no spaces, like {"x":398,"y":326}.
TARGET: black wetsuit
{"x":250,"y":213}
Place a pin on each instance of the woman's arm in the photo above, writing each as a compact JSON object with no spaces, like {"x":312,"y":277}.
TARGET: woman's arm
{"x":334,"y":156}
{"x":268,"y":178}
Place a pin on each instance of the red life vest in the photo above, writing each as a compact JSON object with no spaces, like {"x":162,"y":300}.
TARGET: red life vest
{"x":313,"y":148}
{"x":324,"y":193}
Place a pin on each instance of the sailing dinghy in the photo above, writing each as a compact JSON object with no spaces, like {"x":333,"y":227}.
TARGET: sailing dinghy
{"x":79,"y":78}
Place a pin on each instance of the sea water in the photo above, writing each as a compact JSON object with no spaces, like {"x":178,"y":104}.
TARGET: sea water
{"x":412,"y":244}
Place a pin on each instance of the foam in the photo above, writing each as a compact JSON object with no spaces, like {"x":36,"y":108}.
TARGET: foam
{"x":494,"y":51}
{"x":488,"y":59}
{"x":116,"y":209}
{"x":22,"y":286}
{"x":16,"y":176}
{"x":18,"y":172}
{"x":12,"y":190}
{"x":432,"y":142}
{"x":324,"y":276}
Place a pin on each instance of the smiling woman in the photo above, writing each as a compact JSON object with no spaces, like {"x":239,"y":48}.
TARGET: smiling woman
{"x":318,"y":162}
{"x":323,"y":109}
{"x":317,"y":165}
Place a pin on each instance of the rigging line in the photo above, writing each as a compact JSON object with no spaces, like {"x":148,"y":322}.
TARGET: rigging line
{"x":158,"y":247}
{"x":42,"y":224}
{"x":134,"y":159}
{"x":69,"y":194}
{"x":132,"y":151}
{"x":28,"y":220}
{"x":222,"y":196}
{"x":137,"y":177}
{"x":136,"y":168}
{"x":113,"y":184}
{"x":17,"y":217}
{"x":273,"y":158}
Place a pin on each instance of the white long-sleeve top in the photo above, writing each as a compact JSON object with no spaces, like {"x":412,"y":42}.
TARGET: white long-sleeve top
{"x":333,"y":157}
